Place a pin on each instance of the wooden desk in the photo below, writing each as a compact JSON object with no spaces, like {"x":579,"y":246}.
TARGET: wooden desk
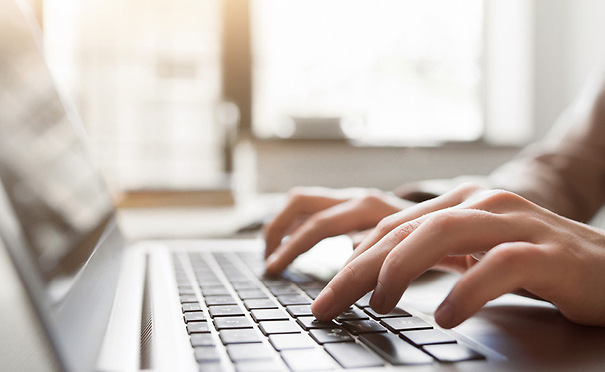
{"x":196,"y":222}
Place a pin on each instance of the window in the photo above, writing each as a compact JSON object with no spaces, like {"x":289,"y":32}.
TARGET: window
{"x":146,"y":76}
{"x":388,"y":71}
{"x":146,"y":79}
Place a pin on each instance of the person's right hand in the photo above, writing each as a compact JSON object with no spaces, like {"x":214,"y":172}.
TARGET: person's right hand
{"x":500,"y":241}
{"x":312,"y":214}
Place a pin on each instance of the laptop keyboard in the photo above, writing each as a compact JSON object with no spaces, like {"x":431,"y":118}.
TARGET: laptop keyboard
{"x":239,"y":320}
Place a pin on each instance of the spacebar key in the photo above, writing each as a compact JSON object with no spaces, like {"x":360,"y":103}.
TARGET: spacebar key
{"x":394,"y":349}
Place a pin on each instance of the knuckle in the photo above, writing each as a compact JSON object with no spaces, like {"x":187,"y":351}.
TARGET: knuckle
{"x":391,"y":263}
{"x":513,"y":256}
{"x":442,"y":221}
{"x":469,"y":188}
{"x":402,"y":231}
{"x":387,"y":224}
{"x":374,"y":194}
{"x":370,"y":198}
{"x":296,"y":193}
{"x":267,"y":229}
{"x":318,"y":221}
{"x":503,"y":197}
{"x":351,"y":272}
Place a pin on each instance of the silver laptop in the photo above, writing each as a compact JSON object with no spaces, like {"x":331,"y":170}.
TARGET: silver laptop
{"x":94,"y":303}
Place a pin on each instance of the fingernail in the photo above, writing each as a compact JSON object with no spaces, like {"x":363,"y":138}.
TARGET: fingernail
{"x":271,"y":259}
{"x":270,"y":262}
{"x":323,"y":303}
{"x":377,"y":299}
{"x":445,"y":316}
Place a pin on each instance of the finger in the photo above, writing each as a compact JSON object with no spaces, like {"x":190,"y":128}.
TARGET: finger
{"x":298,"y":205}
{"x":358,"y":237}
{"x":456,"y":264}
{"x":453,"y":232}
{"x":357,"y":278}
{"x":356,"y":214}
{"x":385,"y":226}
{"x":502,"y":270}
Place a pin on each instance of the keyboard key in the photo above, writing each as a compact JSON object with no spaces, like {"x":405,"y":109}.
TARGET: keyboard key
{"x":240,"y":352}
{"x":210,"y":283}
{"x":230,"y":322}
{"x":287,"y":290}
{"x":206,"y":354}
{"x":188,"y":299}
{"x":330,"y":335}
{"x":191,"y":306}
{"x":452,"y":352}
{"x":236,"y":276}
{"x":198,"y":327}
{"x":405,"y":324}
{"x":262,"y":303}
{"x":238,"y":286}
{"x":271,"y":282}
{"x":269,"y":314}
{"x":313,"y":292}
{"x":186,"y":291}
{"x":396,"y":313}
{"x":310,"y":322}
{"x":247,"y":294}
{"x":219,"y":300}
{"x":312,"y":285}
{"x":205,"y":276}
{"x":201,"y":339}
{"x":353,"y":313}
{"x":394,"y":349}
{"x":427,"y":336}
{"x":299,"y":310}
{"x":211,"y":367}
{"x":352,"y":355}
{"x":297,"y":277}
{"x":226,"y":310}
{"x":364,"y":301}
{"x":239,"y":336}
{"x":308,"y":360}
{"x":293,"y":300}
{"x":257,"y":366}
{"x":194,"y":316}
{"x":271,"y":327}
{"x":363,"y":326}
{"x":291,"y":341}
{"x":215,"y":291}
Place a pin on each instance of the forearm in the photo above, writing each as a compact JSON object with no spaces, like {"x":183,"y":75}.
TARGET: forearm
{"x":564,"y":173}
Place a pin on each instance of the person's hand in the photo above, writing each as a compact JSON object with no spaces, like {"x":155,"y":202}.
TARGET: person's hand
{"x":312,"y":214}
{"x":520,"y":246}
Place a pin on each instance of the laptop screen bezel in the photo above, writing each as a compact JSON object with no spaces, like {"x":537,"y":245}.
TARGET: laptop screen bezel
{"x":77,"y":327}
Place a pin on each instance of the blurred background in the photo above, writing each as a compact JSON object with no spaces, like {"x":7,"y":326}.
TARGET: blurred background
{"x":270,"y":94}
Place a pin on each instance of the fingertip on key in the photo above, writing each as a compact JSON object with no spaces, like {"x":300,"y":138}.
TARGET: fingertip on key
{"x":272,"y":264}
{"x":323,"y":304}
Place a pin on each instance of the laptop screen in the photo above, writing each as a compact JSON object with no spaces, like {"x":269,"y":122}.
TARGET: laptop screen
{"x":58,"y":197}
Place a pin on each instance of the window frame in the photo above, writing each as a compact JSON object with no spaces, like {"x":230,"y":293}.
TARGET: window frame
{"x":503,"y":46}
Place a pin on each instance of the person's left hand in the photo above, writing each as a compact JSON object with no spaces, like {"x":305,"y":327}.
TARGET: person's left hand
{"x":523,"y":246}
{"x":316,"y":213}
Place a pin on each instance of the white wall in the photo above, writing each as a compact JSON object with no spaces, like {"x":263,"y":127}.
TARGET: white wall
{"x":569,"y":46}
